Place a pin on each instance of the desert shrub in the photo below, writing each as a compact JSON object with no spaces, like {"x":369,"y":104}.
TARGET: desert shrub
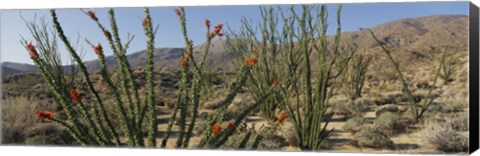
{"x":382,"y":99}
{"x":392,"y":108}
{"x":272,"y":142}
{"x":442,"y":136}
{"x":449,"y":105}
{"x":388,"y":123}
{"x":47,"y":134}
{"x":364,"y":102}
{"x":369,"y":137}
{"x":200,"y":128}
{"x":288,"y":132}
{"x":349,"y":109}
{"x":354,"y":124}
{"x":234,"y":141}
{"x":11,"y":135}
{"x":459,"y":122}
{"x":17,"y":116}
{"x":455,"y":104}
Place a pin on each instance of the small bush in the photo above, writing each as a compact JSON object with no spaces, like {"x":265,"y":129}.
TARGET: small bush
{"x":11,"y":135}
{"x":443,"y":137}
{"x":460,"y":122}
{"x":47,"y":134}
{"x":234,"y":141}
{"x":369,"y":137}
{"x":349,"y":109}
{"x":272,"y":142}
{"x":354,"y":124}
{"x":17,"y":116}
{"x":200,"y":128}
{"x":389,"y":123}
{"x":288,"y":131}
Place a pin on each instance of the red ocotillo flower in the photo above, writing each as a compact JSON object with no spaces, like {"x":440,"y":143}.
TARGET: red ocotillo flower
{"x":183,"y":63}
{"x":216,"y":129}
{"x":32,"y":51}
{"x":178,"y":11}
{"x":231,"y":126}
{"x":43,"y":114}
{"x":207,"y":23}
{"x":218,"y":28}
{"x":145,"y":21}
{"x":251,"y":61}
{"x":75,"y":95}
{"x":98,"y":49}
{"x":275,"y":81}
{"x":216,"y":31}
{"x":282,"y":117}
{"x":107,"y":34}
{"x":92,"y":15}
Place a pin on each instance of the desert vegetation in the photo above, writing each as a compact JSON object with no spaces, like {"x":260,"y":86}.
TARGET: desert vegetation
{"x":291,"y":87}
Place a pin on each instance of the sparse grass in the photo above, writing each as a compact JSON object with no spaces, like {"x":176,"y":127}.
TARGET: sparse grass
{"x":17,"y":116}
{"x":349,"y":109}
{"x":443,"y":137}
{"x":354,"y":125}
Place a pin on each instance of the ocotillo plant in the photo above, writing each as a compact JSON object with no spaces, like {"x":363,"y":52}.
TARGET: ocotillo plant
{"x":305,"y":86}
{"x":448,"y":68}
{"x":417,"y":109}
{"x":189,"y":97}
{"x":95,"y":127}
{"x":354,"y":79}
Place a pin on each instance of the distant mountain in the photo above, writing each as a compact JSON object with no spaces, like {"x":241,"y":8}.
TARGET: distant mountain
{"x":414,"y":33}
{"x":17,"y":68}
{"x":411,"y":33}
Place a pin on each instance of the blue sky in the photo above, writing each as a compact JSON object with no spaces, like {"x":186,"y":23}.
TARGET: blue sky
{"x":77,"y":24}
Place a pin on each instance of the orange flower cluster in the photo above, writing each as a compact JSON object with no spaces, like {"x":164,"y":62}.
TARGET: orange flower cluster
{"x":217,"y":31}
{"x":216,"y":129}
{"x":183,"y":63}
{"x":43,"y":114}
{"x":107,"y":34}
{"x":207,"y":23}
{"x":282,"y":117}
{"x":98,"y":49}
{"x":92,"y":15}
{"x":75,"y":95}
{"x":251,"y":61}
{"x":32,"y":51}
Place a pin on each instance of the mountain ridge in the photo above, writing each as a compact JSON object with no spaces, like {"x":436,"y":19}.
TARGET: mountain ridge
{"x":406,"y":33}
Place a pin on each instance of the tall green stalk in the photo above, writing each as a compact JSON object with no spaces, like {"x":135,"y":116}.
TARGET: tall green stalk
{"x":417,"y":109}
